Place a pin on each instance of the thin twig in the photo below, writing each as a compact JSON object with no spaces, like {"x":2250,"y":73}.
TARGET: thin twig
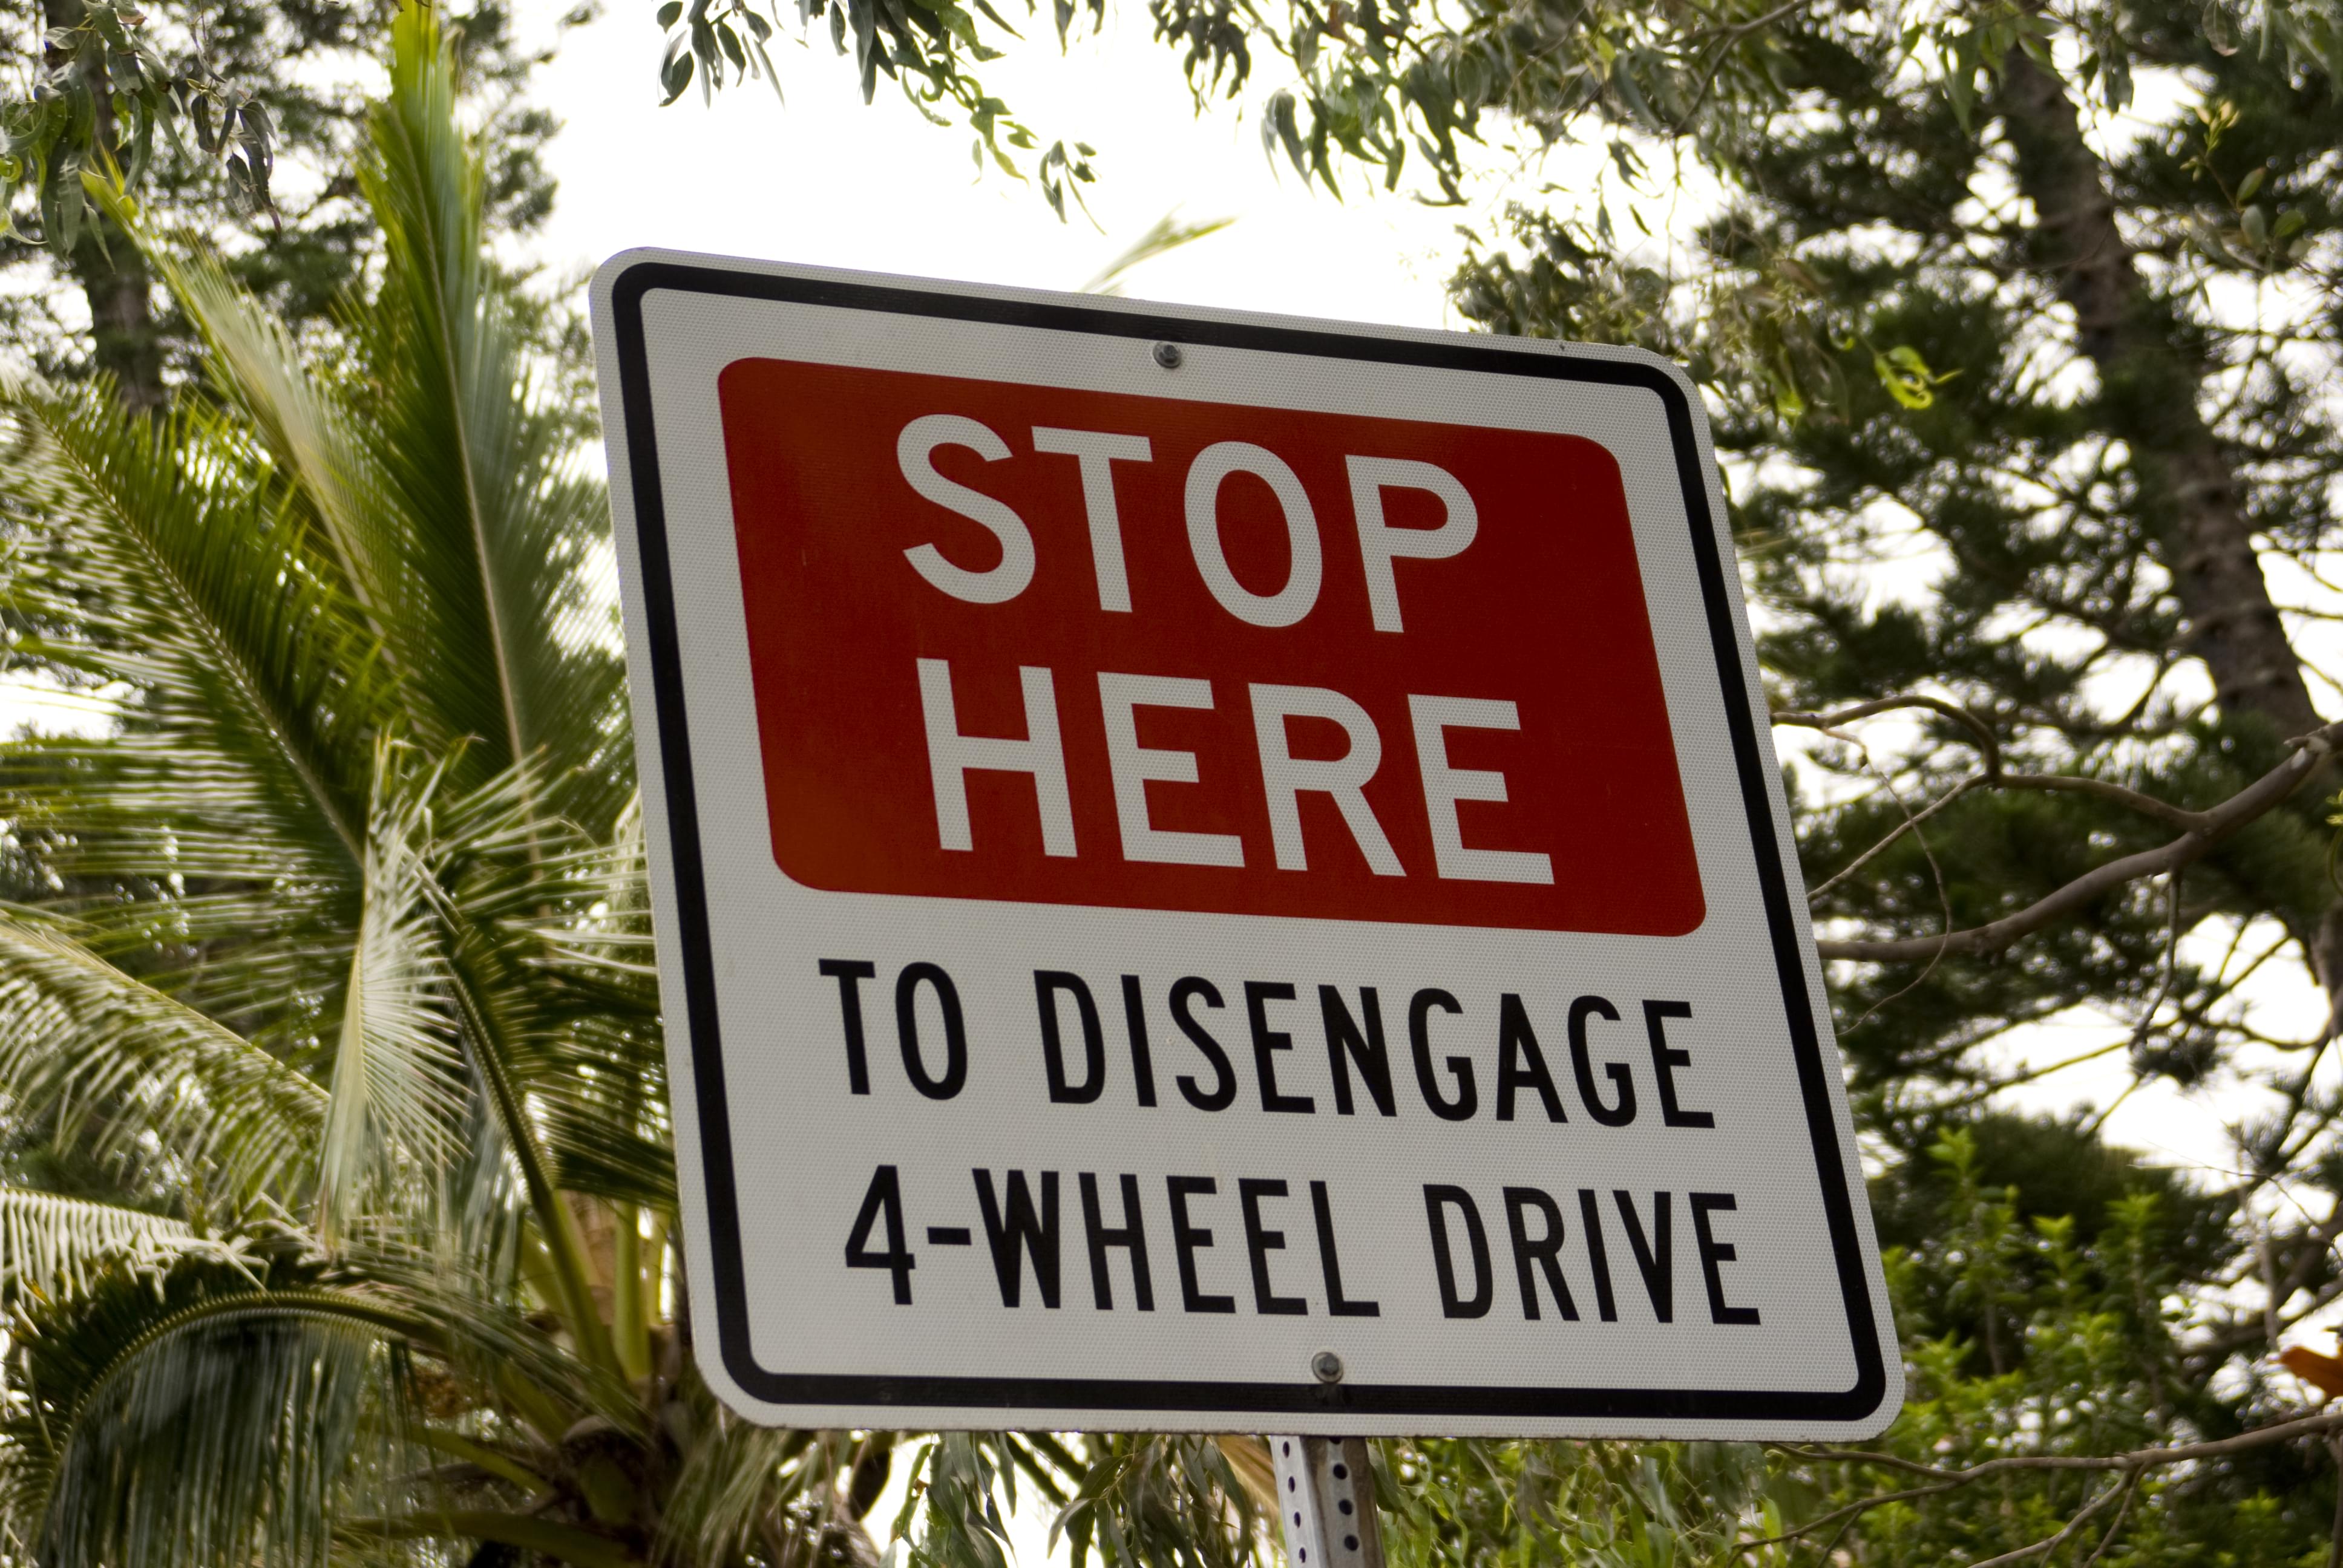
{"x":2164,"y":811}
{"x":1911,"y":824}
{"x":1986,"y":739}
{"x":2171,"y":964}
{"x":2256,"y":800}
{"x":2335,"y":1536}
{"x":1850,"y":1511}
{"x":1943,"y":893}
{"x":2148,"y":806}
{"x":2051,"y":1544}
{"x":1986,"y":1091}
{"x":2318,"y":1425}
{"x":1742,"y":29}
{"x":2131,"y":1492}
{"x":2091,"y":1128}
{"x":1823,"y":1551}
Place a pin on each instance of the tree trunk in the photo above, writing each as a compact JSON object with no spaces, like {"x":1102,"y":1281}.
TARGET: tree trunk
{"x":126,"y":343}
{"x":2148,"y":396}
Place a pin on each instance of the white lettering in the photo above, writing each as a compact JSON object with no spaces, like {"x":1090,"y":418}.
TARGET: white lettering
{"x":1380,"y":543}
{"x":1283,"y":776}
{"x":1134,"y":765}
{"x":1097,"y":452}
{"x":1444,"y":786}
{"x":1289,"y":603}
{"x":915,"y":455}
{"x":952,"y":756}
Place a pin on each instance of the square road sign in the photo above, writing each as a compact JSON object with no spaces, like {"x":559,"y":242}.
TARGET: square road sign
{"x":1217,"y":872}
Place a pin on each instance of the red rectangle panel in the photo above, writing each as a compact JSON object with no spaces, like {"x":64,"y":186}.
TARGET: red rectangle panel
{"x":870,"y":514}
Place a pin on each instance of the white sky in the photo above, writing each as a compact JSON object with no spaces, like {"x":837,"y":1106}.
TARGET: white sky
{"x":827,"y":180}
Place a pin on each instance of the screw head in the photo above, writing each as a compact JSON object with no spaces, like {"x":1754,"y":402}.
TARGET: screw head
{"x":1326,"y":1366}
{"x":1168,"y":356}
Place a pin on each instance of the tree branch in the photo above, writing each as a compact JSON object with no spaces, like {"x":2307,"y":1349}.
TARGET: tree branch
{"x":2138,"y":1459}
{"x":2044,"y":1547}
{"x":563,"y":1542}
{"x":1978,"y":728}
{"x":2164,"y":811}
{"x":2255,"y":801}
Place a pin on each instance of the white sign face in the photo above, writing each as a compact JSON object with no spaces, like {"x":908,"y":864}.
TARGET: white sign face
{"x":1218,"y":872}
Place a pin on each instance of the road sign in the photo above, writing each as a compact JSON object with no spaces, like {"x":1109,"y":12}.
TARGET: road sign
{"x":1217,"y":872}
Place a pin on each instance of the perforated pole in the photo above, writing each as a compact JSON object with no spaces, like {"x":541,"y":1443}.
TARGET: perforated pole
{"x":1326,"y":1502}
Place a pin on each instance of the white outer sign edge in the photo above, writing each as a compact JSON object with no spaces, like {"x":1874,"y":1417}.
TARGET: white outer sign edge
{"x":1331,"y":1413}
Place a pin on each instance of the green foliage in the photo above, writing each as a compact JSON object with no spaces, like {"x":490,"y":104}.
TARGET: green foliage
{"x":927,"y":48}
{"x":339,"y":1183}
{"x":292,"y":965}
{"x":2029,"y":1336}
{"x":2054,"y":1297}
{"x":2029,"y":410}
{"x":100,"y":73}
{"x":230,"y":121}
{"x":1896,"y":378}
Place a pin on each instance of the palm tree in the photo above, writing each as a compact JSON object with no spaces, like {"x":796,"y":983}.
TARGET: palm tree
{"x":337,"y":1207}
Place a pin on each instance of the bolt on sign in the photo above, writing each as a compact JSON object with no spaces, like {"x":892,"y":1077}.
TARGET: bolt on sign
{"x":1217,"y":872}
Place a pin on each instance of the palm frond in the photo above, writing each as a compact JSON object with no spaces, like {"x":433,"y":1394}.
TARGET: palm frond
{"x":258,"y":370}
{"x":171,"y":563}
{"x":226,"y":1433}
{"x":500,"y":530}
{"x":397,"y":1092}
{"x":134,"y":1073}
{"x":600,"y":1075}
{"x":739,"y":1483}
{"x":53,"y":1246}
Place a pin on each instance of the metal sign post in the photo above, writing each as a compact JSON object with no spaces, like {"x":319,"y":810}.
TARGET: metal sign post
{"x":1218,"y":873}
{"x":1326,"y":1502}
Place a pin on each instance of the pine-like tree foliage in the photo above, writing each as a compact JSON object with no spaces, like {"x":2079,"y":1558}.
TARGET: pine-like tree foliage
{"x":237,"y":119}
{"x":2022,"y":327}
{"x":2030,"y":358}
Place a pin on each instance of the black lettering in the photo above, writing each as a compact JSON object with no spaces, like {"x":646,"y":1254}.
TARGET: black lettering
{"x":1337,"y":1304}
{"x":882,"y":1202}
{"x":1666,"y":1059}
{"x":1022,"y":1231}
{"x":1134,"y":1018}
{"x":1345,"y":1044}
{"x":907,"y":1030}
{"x":1436,"y":1200}
{"x":850,"y":974}
{"x":1656,"y":1259}
{"x":1542,"y":1252}
{"x":1260,"y":1242}
{"x":1598,"y":1256}
{"x":1225,"y":1081}
{"x":1048,"y":985}
{"x":1713,"y":1252}
{"x":1519,"y":1062}
{"x":1617,"y":1115}
{"x":1267,"y":1042}
{"x":1131,"y":1238}
{"x":1419,"y":1038}
{"x":1187,"y":1239}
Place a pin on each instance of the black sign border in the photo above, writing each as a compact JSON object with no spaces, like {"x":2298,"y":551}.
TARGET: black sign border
{"x":1007,"y":1396}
